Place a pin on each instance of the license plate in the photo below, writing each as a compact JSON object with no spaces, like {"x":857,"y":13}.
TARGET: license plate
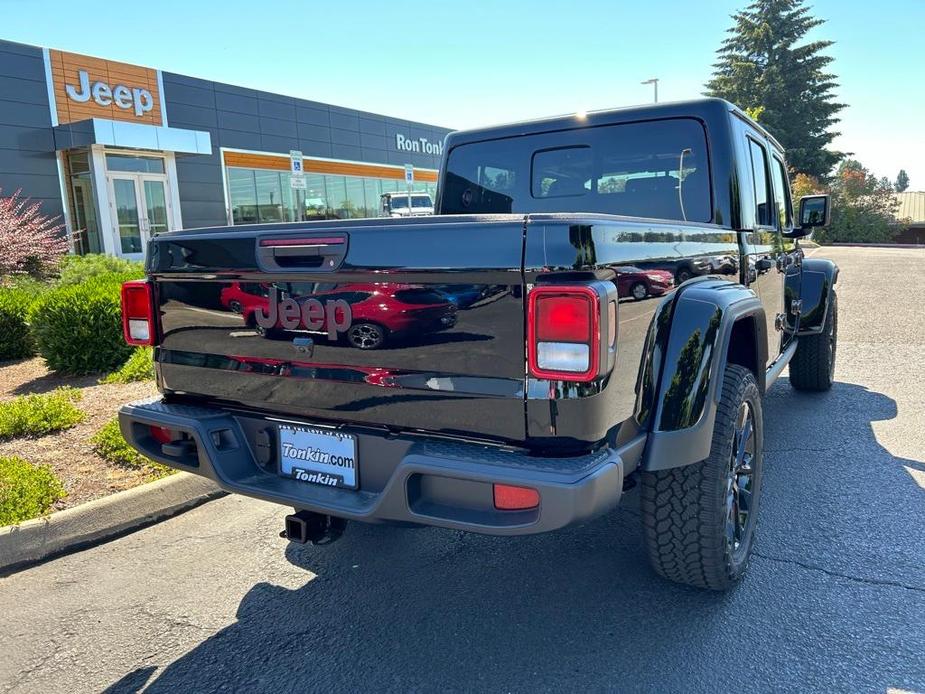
{"x":318,"y":456}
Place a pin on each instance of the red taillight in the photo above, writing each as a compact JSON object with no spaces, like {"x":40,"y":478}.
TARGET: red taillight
{"x":510,"y":498}
{"x":563,"y":333}
{"x":138,"y":313}
{"x":563,"y":318}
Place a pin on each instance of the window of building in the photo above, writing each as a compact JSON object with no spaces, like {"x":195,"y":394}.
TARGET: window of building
{"x":264,"y":195}
{"x":356,"y":202}
{"x":372,"y":190}
{"x":242,"y":190}
{"x":269,"y":196}
{"x":134,"y":163}
{"x":338,"y":204}
{"x":83,"y":199}
{"x":314,"y":198}
{"x":763,"y":216}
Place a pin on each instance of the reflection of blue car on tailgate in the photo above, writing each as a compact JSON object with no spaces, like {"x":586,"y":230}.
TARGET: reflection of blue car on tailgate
{"x":463,"y":295}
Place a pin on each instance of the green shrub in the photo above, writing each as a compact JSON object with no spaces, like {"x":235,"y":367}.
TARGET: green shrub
{"x":139,"y":367}
{"x":76,"y":269}
{"x":40,"y":413}
{"x":78,"y":328}
{"x":110,"y":445}
{"x":26,"y":490}
{"x":15,"y":339}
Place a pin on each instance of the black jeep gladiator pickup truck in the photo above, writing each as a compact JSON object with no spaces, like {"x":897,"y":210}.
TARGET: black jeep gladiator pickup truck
{"x":477,"y":369}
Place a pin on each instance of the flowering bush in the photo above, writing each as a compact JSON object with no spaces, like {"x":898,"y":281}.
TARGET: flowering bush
{"x":30,"y":243}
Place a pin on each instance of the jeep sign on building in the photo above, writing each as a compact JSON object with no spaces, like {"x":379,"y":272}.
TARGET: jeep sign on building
{"x":122,"y":152}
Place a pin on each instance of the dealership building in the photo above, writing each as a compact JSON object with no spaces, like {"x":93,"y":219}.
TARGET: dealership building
{"x":121,"y":152}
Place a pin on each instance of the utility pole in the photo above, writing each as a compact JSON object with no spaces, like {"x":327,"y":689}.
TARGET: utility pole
{"x":654,"y":83}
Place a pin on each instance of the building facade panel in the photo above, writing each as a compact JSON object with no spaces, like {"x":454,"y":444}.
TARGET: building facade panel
{"x":313,"y":115}
{"x":17,"y":137}
{"x":235,"y":103}
{"x":23,"y":90}
{"x":24,"y":62}
{"x":28,"y":160}
{"x":193,"y":151}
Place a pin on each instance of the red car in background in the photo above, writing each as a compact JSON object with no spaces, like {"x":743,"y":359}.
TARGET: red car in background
{"x":379,"y":311}
{"x":638,"y":284}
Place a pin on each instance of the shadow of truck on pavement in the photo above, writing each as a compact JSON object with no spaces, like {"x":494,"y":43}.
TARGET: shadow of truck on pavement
{"x":397,"y":609}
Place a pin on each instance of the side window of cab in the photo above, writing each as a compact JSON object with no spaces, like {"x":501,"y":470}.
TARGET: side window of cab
{"x":763,"y":197}
{"x":782,"y":194}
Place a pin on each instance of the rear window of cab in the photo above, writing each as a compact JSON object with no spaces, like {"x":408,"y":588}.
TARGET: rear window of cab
{"x":657,"y":169}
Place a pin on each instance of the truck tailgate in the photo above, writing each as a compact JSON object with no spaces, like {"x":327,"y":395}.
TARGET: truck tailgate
{"x":411,"y":324}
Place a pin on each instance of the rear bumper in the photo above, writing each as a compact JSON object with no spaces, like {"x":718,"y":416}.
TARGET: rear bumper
{"x":402,"y":479}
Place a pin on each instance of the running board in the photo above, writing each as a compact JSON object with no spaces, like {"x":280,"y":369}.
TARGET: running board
{"x":777,"y":367}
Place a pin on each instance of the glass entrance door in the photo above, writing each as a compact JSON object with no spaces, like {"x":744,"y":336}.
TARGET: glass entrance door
{"x":140,"y":208}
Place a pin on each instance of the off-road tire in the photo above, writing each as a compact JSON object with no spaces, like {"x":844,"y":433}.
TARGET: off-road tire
{"x":813,"y":365}
{"x":684,"y":509}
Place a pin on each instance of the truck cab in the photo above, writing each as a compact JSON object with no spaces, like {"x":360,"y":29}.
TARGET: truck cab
{"x":522,"y":392}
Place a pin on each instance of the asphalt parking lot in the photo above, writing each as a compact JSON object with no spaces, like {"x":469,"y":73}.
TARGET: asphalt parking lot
{"x":835,"y":599}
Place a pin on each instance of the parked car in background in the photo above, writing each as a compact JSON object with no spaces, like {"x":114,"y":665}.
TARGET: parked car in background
{"x":396,"y":205}
{"x":724,"y":264}
{"x":638,"y":284}
{"x":463,"y":295}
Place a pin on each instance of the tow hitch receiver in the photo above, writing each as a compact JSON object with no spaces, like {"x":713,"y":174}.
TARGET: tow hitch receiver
{"x":317,"y":528}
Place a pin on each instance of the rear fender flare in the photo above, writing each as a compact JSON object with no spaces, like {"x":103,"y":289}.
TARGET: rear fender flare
{"x":818,"y":279}
{"x":703,"y":326}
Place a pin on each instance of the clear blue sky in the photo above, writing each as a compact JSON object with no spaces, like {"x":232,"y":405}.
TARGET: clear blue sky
{"x":477,"y":63}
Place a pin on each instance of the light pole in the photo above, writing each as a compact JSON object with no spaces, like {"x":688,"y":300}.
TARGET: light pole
{"x":654,"y":83}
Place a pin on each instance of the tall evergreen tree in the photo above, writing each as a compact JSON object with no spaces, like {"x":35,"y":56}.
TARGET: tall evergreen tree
{"x":766,"y":64}
{"x":902,"y":181}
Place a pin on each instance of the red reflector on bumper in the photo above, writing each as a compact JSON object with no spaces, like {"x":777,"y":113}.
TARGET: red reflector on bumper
{"x":509,"y":498}
{"x":161,"y":434}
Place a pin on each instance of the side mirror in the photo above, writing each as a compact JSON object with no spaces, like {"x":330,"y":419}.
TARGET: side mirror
{"x":815,"y":211}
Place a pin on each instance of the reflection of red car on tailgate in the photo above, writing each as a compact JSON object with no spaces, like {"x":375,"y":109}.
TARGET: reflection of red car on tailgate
{"x":378,"y":310}
{"x":637,"y":283}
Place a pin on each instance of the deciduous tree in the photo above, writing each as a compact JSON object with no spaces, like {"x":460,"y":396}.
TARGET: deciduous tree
{"x":863,"y":207}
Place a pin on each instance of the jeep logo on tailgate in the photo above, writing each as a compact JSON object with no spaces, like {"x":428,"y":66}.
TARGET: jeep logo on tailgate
{"x":332,"y":316}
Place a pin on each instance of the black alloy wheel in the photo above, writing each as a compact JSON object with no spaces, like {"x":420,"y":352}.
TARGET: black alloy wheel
{"x":740,"y":481}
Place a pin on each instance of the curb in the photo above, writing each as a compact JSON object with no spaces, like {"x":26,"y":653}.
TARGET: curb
{"x":876,"y":245}
{"x":97,"y":521}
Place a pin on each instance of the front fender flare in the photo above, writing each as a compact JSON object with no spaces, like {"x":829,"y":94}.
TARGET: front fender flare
{"x":818,"y":278}
{"x":691,"y":380}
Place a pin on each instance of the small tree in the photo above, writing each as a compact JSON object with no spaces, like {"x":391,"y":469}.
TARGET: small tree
{"x":30,"y":243}
{"x":902,"y":181}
